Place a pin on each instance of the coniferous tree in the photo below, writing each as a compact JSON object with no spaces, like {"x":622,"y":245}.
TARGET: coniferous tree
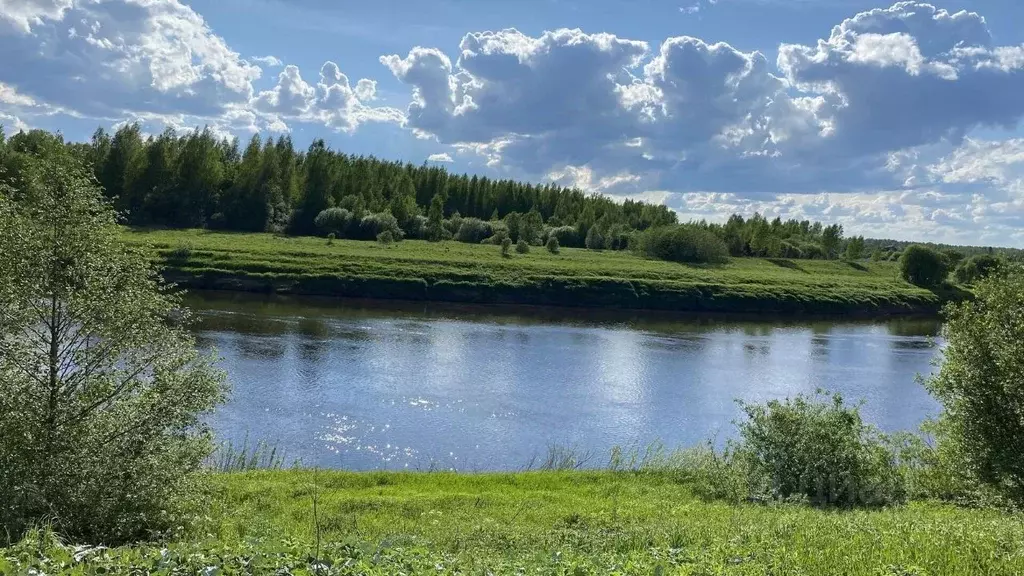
{"x":435,"y":219}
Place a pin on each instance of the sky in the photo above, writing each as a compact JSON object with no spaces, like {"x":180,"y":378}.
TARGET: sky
{"x":895,"y":120}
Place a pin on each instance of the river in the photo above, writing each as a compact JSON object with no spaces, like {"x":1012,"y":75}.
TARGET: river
{"x":364,"y":386}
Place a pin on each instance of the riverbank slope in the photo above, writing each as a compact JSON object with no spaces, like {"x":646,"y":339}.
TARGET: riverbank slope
{"x":549,"y":523}
{"x":479,"y":274}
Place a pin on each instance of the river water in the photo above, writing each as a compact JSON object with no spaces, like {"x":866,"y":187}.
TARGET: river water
{"x":383,"y":386}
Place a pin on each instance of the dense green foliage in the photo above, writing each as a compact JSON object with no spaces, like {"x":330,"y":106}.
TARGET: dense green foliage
{"x":980,"y":382}
{"x":195,"y":180}
{"x":889,"y":247}
{"x":923,"y":266}
{"x":645,"y":522}
{"x":100,"y":399}
{"x":457,"y":272}
{"x":854,"y":248}
{"x":757,"y":236}
{"x":819,"y":450}
{"x":683,"y":243}
{"x":977,"y":268}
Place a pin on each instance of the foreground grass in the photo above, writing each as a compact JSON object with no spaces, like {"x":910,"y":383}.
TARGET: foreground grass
{"x":456,"y":272}
{"x":544,"y":523}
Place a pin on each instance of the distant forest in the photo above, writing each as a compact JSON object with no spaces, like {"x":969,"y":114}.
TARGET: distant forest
{"x":196,"y":180}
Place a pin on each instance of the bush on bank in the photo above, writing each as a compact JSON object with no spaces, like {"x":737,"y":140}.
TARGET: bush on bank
{"x":818,"y":449}
{"x":101,"y":398}
{"x":682,"y":243}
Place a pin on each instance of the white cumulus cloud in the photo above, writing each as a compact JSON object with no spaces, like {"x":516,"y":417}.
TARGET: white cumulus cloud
{"x":108,"y":59}
{"x":695,"y":115}
{"x":21,"y":15}
{"x":332,"y":102}
{"x":268,"y":61}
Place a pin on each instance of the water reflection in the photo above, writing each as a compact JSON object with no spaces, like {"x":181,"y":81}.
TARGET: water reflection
{"x":353,"y":385}
{"x":260,"y":348}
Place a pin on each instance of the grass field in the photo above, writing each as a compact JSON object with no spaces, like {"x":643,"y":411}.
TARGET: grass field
{"x":546,"y":523}
{"x":456,"y":272}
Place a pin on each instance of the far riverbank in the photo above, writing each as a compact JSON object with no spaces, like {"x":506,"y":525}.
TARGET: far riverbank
{"x":452,"y":272}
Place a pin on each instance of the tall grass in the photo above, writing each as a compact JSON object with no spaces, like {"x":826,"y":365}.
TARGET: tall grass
{"x":561,"y":458}
{"x":231,"y":457}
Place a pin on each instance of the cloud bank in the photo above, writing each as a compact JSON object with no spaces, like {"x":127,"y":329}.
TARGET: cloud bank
{"x":876,"y":123}
{"x":868,"y":110}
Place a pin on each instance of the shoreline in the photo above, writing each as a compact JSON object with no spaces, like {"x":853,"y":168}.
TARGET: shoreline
{"x":698,"y":302}
{"x":528,"y":313}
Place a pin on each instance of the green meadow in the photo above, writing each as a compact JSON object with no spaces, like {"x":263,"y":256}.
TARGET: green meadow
{"x":570,"y":523}
{"x":469,"y":273}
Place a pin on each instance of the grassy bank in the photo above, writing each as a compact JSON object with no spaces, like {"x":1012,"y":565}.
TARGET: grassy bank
{"x":550,"y":523}
{"x":456,"y":272}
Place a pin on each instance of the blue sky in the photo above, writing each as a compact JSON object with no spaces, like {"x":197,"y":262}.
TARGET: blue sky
{"x":894,"y":119}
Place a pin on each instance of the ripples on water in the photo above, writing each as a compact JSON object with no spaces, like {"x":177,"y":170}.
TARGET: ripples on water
{"x":364,"y":386}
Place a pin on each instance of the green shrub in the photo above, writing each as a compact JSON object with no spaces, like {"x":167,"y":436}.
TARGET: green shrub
{"x":333,"y":221}
{"x":500,"y":234}
{"x":811,"y":250}
{"x":922,"y":266}
{"x":818,"y":449}
{"x":474,"y":231}
{"x":552,"y":245}
{"x":453,"y":224}
{"x":594,"y":240}
{"x":416,"y":228}
{"x":385,"y":238}
{"x":980,"y":381}
{"x":791,"y":250}
{"x":506,"y":247}
{"x":683,"y":243}
{"x":617,"y":237}
{"x":953,"y":257}
{"x":523,"y":247}
{"x":373,"y":225}
{"x":566,"y":235}
{"x":935,"y":466}
{"x":330,"y":238}
{"x":977,"y":268}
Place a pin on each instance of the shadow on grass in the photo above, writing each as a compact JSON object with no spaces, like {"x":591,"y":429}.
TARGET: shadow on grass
{"x":949,"y":292}
{"x":783,"y":263}
{"x":200,"y":231}
{"x":856,"y":265}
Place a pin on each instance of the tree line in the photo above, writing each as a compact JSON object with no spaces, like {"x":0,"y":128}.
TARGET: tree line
{"x":195,"y":180}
